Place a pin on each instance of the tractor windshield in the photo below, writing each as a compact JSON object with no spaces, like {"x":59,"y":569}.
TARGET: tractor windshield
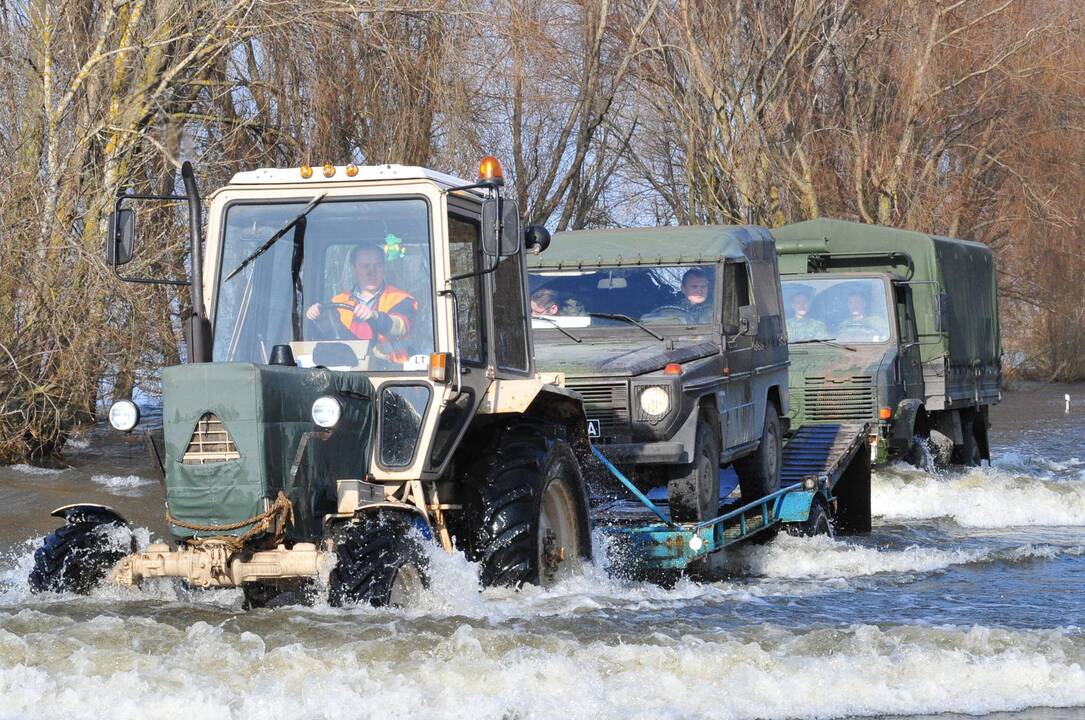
{"x":349,"y":287}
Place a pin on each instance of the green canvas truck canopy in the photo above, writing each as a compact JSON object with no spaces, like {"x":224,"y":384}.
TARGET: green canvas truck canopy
{"x":678,"y":245}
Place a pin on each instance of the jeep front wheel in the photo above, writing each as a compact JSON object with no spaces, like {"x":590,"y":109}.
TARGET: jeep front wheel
{"x":694,"y":494}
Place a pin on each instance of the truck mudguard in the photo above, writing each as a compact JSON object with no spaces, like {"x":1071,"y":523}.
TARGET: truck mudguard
{"x":903,"y":427}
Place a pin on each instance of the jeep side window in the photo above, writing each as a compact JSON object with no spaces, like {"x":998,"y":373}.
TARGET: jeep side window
{"x":510,"y":325}
{"x":463,"y":252}
{"x":736,"y":294}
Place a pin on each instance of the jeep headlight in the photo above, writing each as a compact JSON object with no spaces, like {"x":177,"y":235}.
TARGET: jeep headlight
{"x":124,"y":415}
{"x":655,"y":401}
{"x":326,"y":411}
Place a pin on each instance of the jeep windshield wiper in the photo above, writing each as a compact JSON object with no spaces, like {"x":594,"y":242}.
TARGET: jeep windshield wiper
{"x":626,"y":318}
{"x":278,"y":234}
{"x":558,"y":326}
{"x":825,"y":341}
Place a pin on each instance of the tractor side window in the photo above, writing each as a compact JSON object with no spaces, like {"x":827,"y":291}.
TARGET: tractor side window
{"x":463,"y":252}
{"x":510,"y":323}
{"x":736,"y":294}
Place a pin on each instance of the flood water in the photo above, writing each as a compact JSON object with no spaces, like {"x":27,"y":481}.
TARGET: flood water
{"x":968,"y":599}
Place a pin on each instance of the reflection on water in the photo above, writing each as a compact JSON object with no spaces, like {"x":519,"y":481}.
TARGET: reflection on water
{"x":968,"y":597}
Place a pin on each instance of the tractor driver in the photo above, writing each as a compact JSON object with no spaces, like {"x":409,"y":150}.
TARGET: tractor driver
{"x":382,"y":313}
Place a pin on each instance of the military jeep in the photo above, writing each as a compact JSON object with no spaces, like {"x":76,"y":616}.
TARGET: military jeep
{"x":360,"y":383}
{"x":675,"y":340}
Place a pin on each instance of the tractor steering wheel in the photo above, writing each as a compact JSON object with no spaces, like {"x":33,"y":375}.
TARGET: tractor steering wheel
{"x":327,"y":324}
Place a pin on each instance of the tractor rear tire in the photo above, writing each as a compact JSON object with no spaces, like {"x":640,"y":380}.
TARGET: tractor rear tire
{"x":526,"y":510}
{"x":694,"y":496}
{"x":379,"y":560}
{"x":77,"y":556}
{"x":759,"y":472}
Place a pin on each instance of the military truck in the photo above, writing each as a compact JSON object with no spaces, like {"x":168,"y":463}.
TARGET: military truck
{"x":361,"y":382}
{"x":896,"y":327}
{"x":674,"y":338}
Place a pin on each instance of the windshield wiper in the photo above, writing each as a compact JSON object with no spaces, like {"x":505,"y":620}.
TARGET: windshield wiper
{"x":278,"y":234}
{"x":554,"y":322}
{"x":626,"y":318}
{"x":825,"y":341}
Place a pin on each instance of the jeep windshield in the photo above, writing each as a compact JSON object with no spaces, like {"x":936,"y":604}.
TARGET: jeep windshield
{"x":836,"y":310}
{"x":624,"y":299}
{"x":350,"y":287}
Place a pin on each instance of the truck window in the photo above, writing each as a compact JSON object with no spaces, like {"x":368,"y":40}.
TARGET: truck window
{"x":736,"y":294}
{"x":463,"y":251}
{"x":510,"y":325}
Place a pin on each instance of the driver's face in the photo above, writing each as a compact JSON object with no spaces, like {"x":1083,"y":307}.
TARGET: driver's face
{"x":695,"y":290}
{"x":369,"y":271}
{"x":856,"y":306}
{"x":801,"y":305}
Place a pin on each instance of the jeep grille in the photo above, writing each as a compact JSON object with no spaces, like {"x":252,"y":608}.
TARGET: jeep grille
{"x":608,"y":403}
{"x":210,"y":443}
{"x":829,"y":399}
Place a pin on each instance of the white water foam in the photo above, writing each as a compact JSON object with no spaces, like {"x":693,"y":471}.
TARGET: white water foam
{"x":56,"y":667}
{"x":979,"y":498}
{"x":34,"y":469}
{"x":823,"y":557}
{"x":121,"y":484}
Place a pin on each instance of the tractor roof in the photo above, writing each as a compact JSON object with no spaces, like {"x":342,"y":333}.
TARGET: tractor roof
{"x":686,"y":244}
{"x":371,"y":173}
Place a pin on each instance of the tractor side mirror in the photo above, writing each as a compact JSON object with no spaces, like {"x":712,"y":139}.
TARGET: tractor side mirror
{"x":536,"y":239}
{"x":500,"y":227}
{"x":748,"y":320}
{"x":120,"y":237}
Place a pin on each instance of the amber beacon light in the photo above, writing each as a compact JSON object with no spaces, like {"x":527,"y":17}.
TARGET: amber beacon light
{"x":489,"y":170}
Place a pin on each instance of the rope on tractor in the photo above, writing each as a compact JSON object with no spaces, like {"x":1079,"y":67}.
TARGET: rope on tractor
{"x":274,"y":519}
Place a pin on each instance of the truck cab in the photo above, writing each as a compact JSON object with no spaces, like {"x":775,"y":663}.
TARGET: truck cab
{"x":674,"y":338}
{"x":894,"y":327}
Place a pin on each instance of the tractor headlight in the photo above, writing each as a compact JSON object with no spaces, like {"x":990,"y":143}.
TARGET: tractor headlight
{"x":124,"y":415}
{"x":655,"y":401}
{"x":326,"y":411}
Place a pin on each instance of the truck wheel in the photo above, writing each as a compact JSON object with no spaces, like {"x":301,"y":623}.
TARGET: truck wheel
{"x":695,"y":495}
{"x":817,"y":523}
{"x":77,"y":556}
{"x":967,"y":454}
{"x":526,"y":509}
{"x":759,"y":472}
{"x":379,"y":560}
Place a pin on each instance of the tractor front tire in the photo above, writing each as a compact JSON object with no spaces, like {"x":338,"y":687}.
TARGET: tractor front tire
{"x":526,"y":510}
{"x":77,"y":556}
{"x":379,"y":560}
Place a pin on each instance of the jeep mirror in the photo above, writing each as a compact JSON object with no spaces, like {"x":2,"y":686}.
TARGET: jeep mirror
{"x":748,"y":320}
{"x":120,"y":237}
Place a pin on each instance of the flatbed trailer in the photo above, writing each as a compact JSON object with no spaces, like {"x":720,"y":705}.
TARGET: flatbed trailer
{"x":821,"y":463}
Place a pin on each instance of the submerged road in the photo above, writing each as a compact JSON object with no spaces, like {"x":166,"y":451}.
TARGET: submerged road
{"x":968,"y":598}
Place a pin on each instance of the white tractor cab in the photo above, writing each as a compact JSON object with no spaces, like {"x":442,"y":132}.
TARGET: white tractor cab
{"x":361,"y":368}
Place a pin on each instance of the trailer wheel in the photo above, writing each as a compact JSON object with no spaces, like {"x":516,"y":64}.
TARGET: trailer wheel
{"x":695,"y":494}
{"x":817,"y":523}
{"x":967,"y":454}
{"x":759,"y":472}
{"x":77,"y":556}
{"x":526,"y":509}
{"x":379,"y":560}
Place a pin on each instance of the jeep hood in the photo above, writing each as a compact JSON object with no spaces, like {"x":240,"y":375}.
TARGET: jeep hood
{"x":612,"y":359}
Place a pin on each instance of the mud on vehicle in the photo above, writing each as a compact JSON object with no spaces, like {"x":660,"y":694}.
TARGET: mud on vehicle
{"x":674,"y":337}
{"x":360,"y":383}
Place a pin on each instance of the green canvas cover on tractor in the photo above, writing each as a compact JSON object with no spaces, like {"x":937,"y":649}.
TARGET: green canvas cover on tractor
{"x":238,"y":433}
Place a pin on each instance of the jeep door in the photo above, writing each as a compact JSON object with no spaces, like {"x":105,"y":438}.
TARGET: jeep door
{"x":736,"y":398}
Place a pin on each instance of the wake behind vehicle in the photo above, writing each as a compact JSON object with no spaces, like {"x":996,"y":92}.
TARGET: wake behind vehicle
{"x":361,"y":382}
{"x":894,"y":327}
{"x":674,"y":338}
